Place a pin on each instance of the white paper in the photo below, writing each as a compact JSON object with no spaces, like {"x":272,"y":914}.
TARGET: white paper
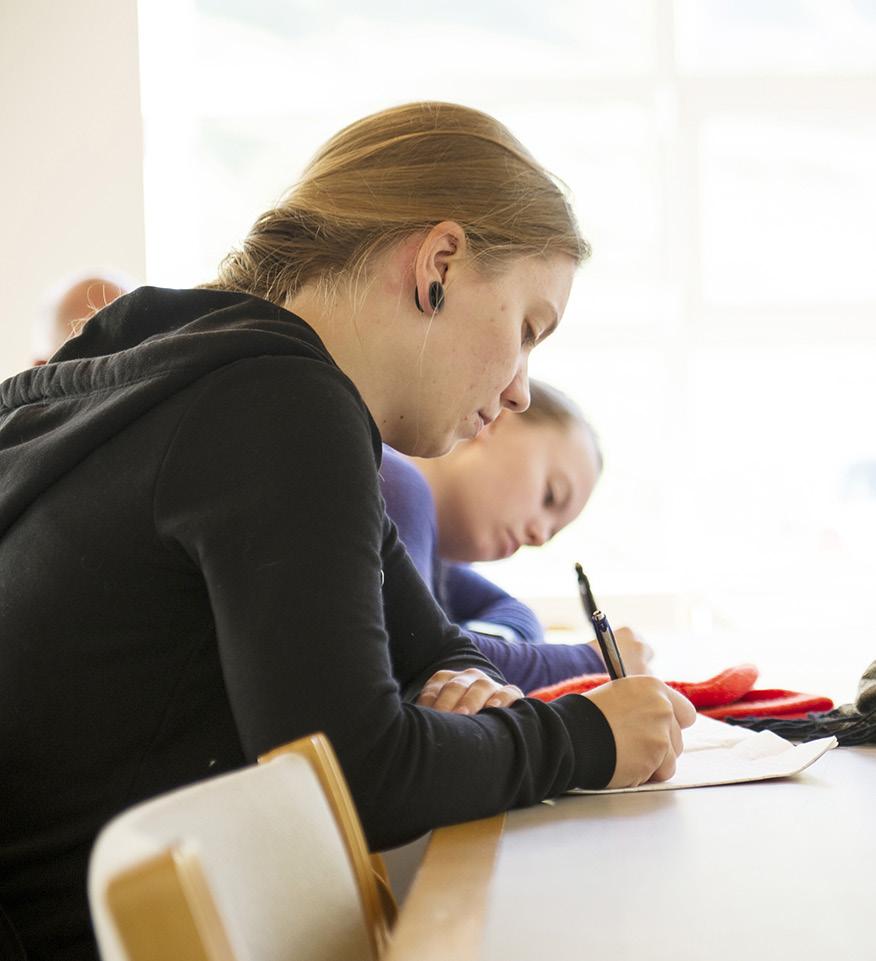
{"x":719,"y":753}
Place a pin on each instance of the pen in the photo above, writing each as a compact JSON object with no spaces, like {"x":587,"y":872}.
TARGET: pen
{"x":604,"y":633}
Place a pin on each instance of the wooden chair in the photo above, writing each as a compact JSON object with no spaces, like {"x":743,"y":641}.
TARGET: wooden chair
{"x":268,"y":863}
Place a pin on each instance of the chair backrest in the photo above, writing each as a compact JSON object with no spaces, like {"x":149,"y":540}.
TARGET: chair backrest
{"x":268,"y":863}
{"x":163,"y":907}
{"x":378,"y":900}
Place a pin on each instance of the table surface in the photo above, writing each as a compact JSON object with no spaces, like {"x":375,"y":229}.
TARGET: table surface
{"x":783,"y":866}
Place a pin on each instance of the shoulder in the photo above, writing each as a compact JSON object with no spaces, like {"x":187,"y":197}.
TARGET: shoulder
{"x":283,"y":394}
{"x":269,"y":422}
{"x":263,"y":436}
{"x":291,"y":374}
{"x":404,"y":487}
{"x":409,"y":505}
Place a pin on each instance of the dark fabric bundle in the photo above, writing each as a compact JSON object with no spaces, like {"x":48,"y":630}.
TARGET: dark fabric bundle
{"x":849,"y":724}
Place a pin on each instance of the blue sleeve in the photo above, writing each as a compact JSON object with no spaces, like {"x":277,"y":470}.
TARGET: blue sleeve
{"x":409,"y":503}
{"x":470,"y":597}
{"x":466,"y":595}
{"x":530,"y":666}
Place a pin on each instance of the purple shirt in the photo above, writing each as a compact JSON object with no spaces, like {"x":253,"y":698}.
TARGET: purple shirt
{"x":466,"y":596}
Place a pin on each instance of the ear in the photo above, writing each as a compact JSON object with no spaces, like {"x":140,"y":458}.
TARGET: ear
{"x":442,"y":248}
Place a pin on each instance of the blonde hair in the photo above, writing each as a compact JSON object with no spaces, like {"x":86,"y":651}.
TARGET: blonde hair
{"x":547,"y":405}
{"x":395,"y":173}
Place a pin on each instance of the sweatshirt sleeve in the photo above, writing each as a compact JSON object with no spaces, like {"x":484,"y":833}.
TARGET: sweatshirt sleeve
{"x":531,"y":666}
{"x":409,"y":503}
{"x":471,"y":597}
{"x":321,"y":621}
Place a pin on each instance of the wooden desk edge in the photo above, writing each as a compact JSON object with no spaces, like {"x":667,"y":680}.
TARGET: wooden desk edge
{"x":444,"y":915}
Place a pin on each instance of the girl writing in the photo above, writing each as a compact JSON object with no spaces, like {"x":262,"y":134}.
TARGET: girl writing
{"x":194,"y":558}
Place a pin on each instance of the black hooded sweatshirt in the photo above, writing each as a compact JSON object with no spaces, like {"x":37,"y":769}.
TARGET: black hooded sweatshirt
{"x":195,"y":567}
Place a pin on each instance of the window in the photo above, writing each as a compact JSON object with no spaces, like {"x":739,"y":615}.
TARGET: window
{"x":723,"y":337}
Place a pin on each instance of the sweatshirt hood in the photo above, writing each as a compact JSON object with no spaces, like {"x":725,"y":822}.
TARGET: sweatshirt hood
{"x":132,"y":355}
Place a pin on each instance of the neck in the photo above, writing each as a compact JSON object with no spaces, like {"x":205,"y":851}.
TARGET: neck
{"x":355,"y":334}
{"x":367,"y":331}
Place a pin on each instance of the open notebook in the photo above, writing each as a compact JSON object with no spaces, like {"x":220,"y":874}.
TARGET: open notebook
{"x":718,"y":753}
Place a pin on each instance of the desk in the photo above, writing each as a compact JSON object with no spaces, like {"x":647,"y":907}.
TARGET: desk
{"x":775,"y":869}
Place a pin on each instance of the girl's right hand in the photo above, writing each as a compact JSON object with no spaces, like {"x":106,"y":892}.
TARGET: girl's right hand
{"x":646,"y":718}
{"x":635,"y":651}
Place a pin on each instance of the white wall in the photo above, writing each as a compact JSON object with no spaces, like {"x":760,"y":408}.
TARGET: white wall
{"x":71,"y":165}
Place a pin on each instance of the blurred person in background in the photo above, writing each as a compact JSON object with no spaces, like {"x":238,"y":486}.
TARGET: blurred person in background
{"x":72,"y":302}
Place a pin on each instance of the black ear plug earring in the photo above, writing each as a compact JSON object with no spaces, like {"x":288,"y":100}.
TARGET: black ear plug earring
{"x":436,"y":296}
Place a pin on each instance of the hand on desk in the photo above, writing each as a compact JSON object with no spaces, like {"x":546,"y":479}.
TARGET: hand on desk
{"x":466,"y":692}
{"x":646,"y":717}
{"x":634,"y":651}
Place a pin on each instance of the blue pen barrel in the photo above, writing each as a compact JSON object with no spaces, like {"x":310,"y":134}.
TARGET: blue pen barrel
{"x":608,"y":646}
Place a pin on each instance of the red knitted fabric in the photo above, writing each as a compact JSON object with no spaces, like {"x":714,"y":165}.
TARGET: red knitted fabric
{"x":772,"y":703}
{"x":571,"y":685}
{"x":723,"y":688}
{"x":728,"y":694}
